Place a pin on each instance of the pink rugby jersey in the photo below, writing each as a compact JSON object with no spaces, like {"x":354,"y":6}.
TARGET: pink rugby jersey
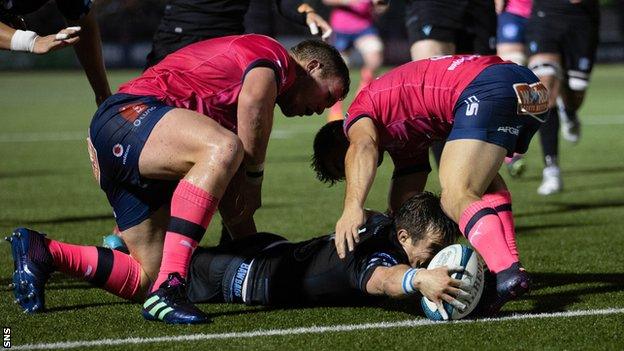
{"x":352,"y":18}
{"x":207,"y":76}
{"x":412,"y":105}
{"x":519,"y":7}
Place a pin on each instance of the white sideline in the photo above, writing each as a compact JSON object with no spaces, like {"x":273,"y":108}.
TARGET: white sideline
{"x":30,"y":137}
{"x":308,"y":330}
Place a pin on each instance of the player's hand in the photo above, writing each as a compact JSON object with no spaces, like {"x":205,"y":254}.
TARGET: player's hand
{"x":347,"y":229}
{"x":437,"y":286}
{"x":318,"y":26}
{"x":66,"y":37}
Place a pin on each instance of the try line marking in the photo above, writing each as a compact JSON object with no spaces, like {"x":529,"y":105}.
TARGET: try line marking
{"x":308,"y":330}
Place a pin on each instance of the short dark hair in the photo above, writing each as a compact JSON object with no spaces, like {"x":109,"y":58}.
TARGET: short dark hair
{"x":333,"y":63}
{"x":421,"y":214}
{"x":329,"y":138}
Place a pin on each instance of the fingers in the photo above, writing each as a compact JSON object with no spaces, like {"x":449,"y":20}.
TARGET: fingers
{"x":326,"y":33}
{"x":313,"y":28}
{"x":454,"y":302}
{"x":339,"y":240}
{"x":442,"y":311}
{"x":67,"y":33}
{"x":458,"y":269}
{"x":460,"y":294}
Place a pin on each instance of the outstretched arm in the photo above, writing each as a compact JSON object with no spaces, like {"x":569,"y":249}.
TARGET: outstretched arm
{"x":303,"y":13}
{"x":89,"y":52}
{"x":435,"y":284}
{"x":360,"y":170}
{"x":20,"y":40}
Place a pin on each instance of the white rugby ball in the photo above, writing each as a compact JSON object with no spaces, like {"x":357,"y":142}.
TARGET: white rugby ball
{"x":463,"y":256}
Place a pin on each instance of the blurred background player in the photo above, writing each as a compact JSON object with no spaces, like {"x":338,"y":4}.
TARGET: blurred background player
{"x":170,"y":147}
{"x":510,"y":39}
{"x":562,"y":37}
{"x":84,"y":35}
{"x":353,"y":26}
{"x":447,"y":27}
{"x":188,"y":21}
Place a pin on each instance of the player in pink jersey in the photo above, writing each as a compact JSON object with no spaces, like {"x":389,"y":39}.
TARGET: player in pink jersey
{"x":486,"y":108}
{"x":165,"y":148}
{"x":352,"y":21}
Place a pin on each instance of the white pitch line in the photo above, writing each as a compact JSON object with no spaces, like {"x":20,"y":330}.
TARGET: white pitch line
{"x":32,"y":137}
{"x":308,"y":330}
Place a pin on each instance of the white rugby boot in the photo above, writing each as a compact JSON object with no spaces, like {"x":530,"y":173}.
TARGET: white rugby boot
{"x":551,"y":181}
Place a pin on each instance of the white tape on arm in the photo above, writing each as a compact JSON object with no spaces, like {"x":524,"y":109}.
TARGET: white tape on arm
{"x":23,"y":40}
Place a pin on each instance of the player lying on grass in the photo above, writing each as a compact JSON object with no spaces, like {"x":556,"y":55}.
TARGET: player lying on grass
{"x":267,"y":269}
{"x":166,"y":146}
{"x":486,"y":108}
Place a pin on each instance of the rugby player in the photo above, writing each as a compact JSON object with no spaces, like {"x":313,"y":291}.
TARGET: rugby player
{"x":352,"y":21}
{"x":83,"y":34}
{"x":185,"y":22}
{"x":166,"y":146}
{"x":486,"y":108}
{"x":510,"y":38}
{"x":447,"y":27}
{"x":266,"y":269}
{"x":562,"y":37}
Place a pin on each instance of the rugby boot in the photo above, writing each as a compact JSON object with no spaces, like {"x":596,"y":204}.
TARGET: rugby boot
{"x":516,"y":165}
{"x":551,"y":181}
{"x":170,"y":304}
{"x":33,"y":264}
{"x":569,"y":122}
{"x":511,"y":283}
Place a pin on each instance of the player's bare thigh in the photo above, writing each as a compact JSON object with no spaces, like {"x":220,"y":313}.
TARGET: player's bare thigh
{"x":427,"y":48}
{"x":550,"y":81}
{"x":184,"y":138}
{"x":512,"y":52}
{"x":467,"y":168}
{"x":370,"y":47}
{"x":145,"y":244}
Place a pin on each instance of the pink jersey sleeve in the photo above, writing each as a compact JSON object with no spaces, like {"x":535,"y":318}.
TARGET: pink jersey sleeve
{"x":362,"y":106}
{"x":519,"y":7}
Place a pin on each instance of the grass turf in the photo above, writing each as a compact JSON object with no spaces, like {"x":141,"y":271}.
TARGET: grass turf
{"x":570,"y":242}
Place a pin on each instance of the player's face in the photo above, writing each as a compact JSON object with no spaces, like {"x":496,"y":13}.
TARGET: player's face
{"x":311,"y":94}
{"x":421,"y":252}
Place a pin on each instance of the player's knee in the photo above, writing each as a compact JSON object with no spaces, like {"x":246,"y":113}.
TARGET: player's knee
{"x":229,"y":152}
{"x":546,"y":69}
{"x":578,"y":81}
{"x":516,"y":57}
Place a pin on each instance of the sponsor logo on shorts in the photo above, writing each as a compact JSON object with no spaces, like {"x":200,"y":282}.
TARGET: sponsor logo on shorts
{"x":532,"y":98}
{"x":125,"y":156}
{"x":472,"y":106}
{"x":118,"y":150}
{"x":136,"y":112}
{"x":509,"y":130}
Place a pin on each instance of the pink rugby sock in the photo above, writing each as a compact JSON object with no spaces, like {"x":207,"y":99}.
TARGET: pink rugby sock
{"x":192,"y":209}
{"x":111,"y":270}
{"x":483,"y":228}
{"x":501,"y":202}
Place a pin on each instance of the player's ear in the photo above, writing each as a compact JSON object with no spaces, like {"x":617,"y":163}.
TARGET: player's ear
{"x":313,"y":65}
{"x":403,"y":236}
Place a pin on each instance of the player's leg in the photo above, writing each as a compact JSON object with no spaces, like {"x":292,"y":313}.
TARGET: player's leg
{"x":427,"y":37}
{"x":343,"y":42}
{"x":371,"y":48}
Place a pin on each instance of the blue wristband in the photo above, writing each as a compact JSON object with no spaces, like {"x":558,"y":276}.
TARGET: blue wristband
{"x":408,"y":281}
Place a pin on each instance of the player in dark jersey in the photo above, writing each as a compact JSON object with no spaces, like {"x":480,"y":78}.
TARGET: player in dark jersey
{"x":447,"y":27}
{"x":485,"y":107}
{"x":562,"y":38}
{"x":84,"y":36}
{"x":266,"y":269}
{"x":166,"y":147}
{"x":188,"y":21}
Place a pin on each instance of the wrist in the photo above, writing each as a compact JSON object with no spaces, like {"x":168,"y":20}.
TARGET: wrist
{"x":23,"y":40}
{"x":407,"y":283}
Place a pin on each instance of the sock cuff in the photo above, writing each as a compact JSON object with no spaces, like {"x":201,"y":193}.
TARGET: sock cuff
{"x":473,"y":214}
{"x":500,"y":200}
{"x":196,"y":195}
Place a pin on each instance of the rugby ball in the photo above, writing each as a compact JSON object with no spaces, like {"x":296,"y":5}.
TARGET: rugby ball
{"x":457,"y":255}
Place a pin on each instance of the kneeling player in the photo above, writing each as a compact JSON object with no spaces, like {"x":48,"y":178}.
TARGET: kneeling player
{"x":266,"y":269}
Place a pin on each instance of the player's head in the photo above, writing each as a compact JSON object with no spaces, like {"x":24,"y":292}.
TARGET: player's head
{"x":330,"y":147}
{"x":423,"y":229}
{"x":322,"y":79}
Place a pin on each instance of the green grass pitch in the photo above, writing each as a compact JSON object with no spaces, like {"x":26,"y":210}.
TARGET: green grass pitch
{"x":570,"y":242}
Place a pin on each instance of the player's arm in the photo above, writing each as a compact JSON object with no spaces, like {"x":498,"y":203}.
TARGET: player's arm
{"x":435,"y":284}
{"x":23,"y":40}
{"x":301,"y":12}
{"x":403,"y":187}
{"x":256,"y":102}
{"x":89,"y":52}
{"x":360,"y":170}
